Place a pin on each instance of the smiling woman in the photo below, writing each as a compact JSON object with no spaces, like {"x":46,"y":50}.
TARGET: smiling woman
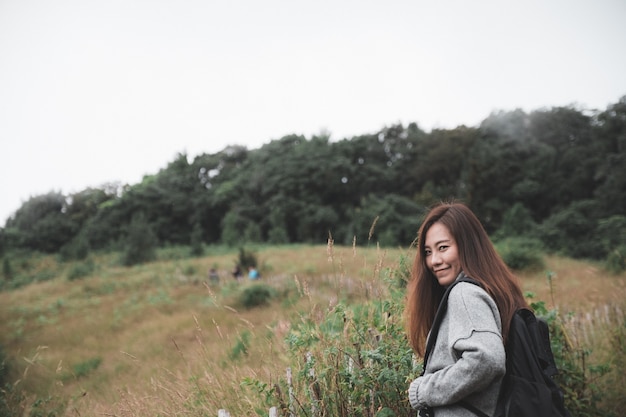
{"x":468,"y":360}
{"x":442,"y":255}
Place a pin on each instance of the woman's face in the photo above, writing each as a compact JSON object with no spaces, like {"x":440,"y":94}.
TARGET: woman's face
{"x":441,"y":254}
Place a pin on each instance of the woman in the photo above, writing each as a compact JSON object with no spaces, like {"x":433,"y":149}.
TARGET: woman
{"x":468,"y":360}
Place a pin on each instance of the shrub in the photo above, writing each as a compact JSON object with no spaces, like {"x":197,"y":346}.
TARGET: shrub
{"x":241,"y":346}
{"x":247,"y":259}
{"x":86,"y":367}
{"x":612,"y":233}
{"x":573,"y":231}
{"x":616,"y":260}
{"x":401,"y":275}
{"x":521,"y":253}
{"x":141,"y":242}
{"x":81,"y":270}
{"x":77,"y":249}
{"x":256,"y":295}
{"x":7,"y":269}
{"x":197,"y":248}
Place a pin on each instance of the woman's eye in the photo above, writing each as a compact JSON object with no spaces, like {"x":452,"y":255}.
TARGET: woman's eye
{"x":427,"y":252}
{"x":442,"y":248}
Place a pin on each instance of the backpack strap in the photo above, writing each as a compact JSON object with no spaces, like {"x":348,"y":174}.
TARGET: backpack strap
{"x":434,"y":331}
{"x":441,"y":311}
{"x":473,"y":409}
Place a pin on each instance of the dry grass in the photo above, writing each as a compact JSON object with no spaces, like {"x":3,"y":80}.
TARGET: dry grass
{"x":577,"y":286}
{"x":163,"y":336}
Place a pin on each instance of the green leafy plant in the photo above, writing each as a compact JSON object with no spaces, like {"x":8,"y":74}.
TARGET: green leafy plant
{"x":355,"y":361}
{"x":81,"y":270}
{"x":521,"y":253}
{"x":84,"y":368}
{"x":256,"y":295}
{"x":247,"y":259}
{"x":7,"y":269}
{"x":616,"y":260}
{"x":241,"y":346}
{"x":196,"y":244}
{"x":141,"y":242}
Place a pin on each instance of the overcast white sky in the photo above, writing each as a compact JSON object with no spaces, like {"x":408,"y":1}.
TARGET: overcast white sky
{"x":111,"y":90}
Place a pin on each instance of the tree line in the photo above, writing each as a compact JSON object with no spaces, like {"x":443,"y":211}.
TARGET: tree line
{"x":555,"y":175}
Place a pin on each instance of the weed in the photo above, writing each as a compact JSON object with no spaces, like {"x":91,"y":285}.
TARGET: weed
{"x":241,"y":346}
{"x":616,"y":260}
{"x":82,"y":369}
{"x":256,"y":295}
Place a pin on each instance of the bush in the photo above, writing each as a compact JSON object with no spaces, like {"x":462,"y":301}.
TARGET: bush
{"x":612,"y":233}
{"x":7,"y":269}
{"x":77,"y":249}
{"x":197,"y":248}
{"x":521,"y":253}
{"x":86,"y":367}
{"x":247,"y":259}
{"x":81,"y":270}
{"x":401,"y":275}
{"x":256,"y":295}
{"x":241,"y":346}
{"x":616,"y":260}
{"x":141,"y":242}
{"x":573,"y":231}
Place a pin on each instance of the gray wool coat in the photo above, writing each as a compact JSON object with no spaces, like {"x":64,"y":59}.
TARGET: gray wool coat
{"x":468,"y":360}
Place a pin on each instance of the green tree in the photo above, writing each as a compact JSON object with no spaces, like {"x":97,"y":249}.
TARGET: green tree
{"x":610,"y":135}
{"x":197,"y":248}
{"x":42,"y":224}
{"x":575,"y":158}
{"x":141,"y":242}
{"x":439,"y":169}
{"x":388,"y":220}
{"x":233,"y":228}
{"x":7,"y":269}
{"x":517,"y":221}
{"x":573,"y":231}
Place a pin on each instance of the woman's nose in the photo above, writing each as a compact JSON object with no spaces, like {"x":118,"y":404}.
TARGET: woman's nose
{"x":436,"y":258}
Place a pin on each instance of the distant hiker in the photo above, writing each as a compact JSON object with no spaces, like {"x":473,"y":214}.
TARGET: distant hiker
{"x":253,"y":273}
{"x":214,"y":276}
{"x":467,"y":362}
{"x":237,"y":272}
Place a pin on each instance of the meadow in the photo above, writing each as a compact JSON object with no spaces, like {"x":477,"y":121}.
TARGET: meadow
{"x":163,"y":339}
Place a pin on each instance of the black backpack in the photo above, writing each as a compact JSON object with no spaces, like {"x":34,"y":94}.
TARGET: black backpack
{"x":528,"y":388}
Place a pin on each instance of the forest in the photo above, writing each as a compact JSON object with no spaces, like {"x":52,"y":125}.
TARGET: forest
{"x":556,"y":176}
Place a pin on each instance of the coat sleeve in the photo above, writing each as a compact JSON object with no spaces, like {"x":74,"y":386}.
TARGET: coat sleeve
{"x":475,"y":341}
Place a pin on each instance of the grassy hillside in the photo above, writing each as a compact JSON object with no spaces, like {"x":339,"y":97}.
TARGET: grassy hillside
{"x":145,"y":340}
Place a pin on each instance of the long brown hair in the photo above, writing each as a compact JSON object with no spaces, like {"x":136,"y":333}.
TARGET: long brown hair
{"x":478,"y":259}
